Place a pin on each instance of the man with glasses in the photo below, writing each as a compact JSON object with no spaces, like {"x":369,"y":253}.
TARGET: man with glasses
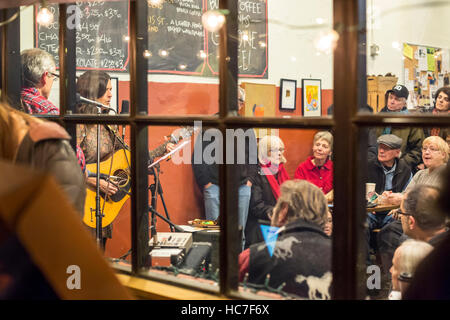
{"x":38,"y":74}
{"x":412,"y":137}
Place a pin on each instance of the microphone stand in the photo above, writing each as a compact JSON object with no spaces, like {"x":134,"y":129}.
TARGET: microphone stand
{"x":98,"y":214}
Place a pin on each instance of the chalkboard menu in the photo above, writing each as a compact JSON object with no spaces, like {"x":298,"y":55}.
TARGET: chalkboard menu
{"x":176,"y":38}
{"x":177,"y":41}
{"x":179,"y":44}
{"x":252,"y":35}
{"x":101,"y":37}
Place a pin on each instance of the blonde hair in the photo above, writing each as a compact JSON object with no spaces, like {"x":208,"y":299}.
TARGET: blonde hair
{"x":325,"y":135}
{"x":305,"y":201}
{"x":440,"y":143}
{"x":266,"y":144}
{"x":9,"y":139}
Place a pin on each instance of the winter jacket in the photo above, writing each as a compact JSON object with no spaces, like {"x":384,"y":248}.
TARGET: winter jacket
{"x":301,"y":259}
{"x":375,"y":174}
{"x":412,"y":141}
{"x":45,"y":147}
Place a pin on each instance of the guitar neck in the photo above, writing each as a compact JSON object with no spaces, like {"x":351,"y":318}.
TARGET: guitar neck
{"x":158,"y":151}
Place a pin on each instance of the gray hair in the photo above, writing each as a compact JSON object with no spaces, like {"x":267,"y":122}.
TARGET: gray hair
{"x":325,"y":135}
{"x":440,"y":143}
{"x":411,"y":253}
{"x":305,"y":201}
{"x":34,"y":63}
{"x":266,"y":144}
{"x":420,"y":202}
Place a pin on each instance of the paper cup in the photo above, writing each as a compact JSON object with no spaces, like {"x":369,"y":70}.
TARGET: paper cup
{"x":370,"y":190}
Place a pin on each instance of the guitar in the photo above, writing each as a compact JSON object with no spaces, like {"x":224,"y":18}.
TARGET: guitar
{"x":116,"y":169}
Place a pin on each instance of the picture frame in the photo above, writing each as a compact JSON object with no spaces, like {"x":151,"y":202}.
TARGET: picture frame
{"x":312,"y":97}
{"x":288,"y":94}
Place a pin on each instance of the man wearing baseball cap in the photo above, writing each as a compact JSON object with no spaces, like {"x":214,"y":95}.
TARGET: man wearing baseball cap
{"x":412,"y":138}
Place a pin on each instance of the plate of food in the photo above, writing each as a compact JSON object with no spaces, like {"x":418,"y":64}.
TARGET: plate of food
{"x":201,"y":223}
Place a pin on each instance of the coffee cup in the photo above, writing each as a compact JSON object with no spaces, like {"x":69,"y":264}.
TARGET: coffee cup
{"x":370,"y":190}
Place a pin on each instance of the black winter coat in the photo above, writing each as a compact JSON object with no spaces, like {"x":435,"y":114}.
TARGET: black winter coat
{"x":375,"y":174}
{"x":301,"y":260}
{"x":262,"y":202}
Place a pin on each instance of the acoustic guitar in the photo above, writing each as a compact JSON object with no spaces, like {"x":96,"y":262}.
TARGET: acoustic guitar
{"x":116,"y":169}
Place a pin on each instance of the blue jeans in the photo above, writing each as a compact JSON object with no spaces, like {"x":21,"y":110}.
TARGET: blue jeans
{"x":212,"y":204}
{"x":375,"y":221}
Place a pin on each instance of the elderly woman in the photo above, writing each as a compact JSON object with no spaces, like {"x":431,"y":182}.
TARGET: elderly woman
{"x":266,"y":184}
{"x":318,"y":168}
{"x":435,"y":155}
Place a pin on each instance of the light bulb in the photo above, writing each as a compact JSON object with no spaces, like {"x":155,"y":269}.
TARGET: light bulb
{"x":147,"y":54}
{"x":326,"y":41}
{"x":126,"y":38}
{"x":202,"y":54}
{"x":213,"y":20}
{"x":44,"y":17}
{"x":182,"y":66}
{"x":163,"y":53}
{"x":155,"y":2}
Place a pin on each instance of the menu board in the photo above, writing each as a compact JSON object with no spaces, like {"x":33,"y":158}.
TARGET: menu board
{"x":102,"y":34}
{"x":177,"y":41}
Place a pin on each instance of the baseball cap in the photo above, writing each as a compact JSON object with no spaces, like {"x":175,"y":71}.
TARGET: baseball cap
{"x":390,"y":140}
{"x":400,"y":91}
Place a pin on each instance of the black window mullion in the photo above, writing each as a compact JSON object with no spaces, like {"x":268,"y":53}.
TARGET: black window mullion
{"x":139,"y":137}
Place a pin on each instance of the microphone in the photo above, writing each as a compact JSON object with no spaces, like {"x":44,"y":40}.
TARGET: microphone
{"x":125,"y":110}
{"x":79,"y":99}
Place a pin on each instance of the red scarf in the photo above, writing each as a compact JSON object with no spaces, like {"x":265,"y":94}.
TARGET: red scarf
{"x":276,"y":176}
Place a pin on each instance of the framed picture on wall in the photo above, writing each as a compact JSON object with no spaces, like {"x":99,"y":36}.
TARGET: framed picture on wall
{"x":312,"y":97}
{"x":288,"y":94}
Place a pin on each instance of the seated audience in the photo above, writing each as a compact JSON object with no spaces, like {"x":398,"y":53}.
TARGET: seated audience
{"x":435,"y":154}
{"x":318,"y":168}
{"x":412,"y":137}
{"x":432,"y":279}
{"x":266,"y":183}
{"x":301,"y":256}
{"x":406,"y":259}
{"x":390,"y":174}
{"x":419,"y":220}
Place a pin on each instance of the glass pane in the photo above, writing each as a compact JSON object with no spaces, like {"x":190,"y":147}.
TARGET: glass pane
{"x":184,"y":206}
{"x":395,"y":167}
{"x":182,"y":77}
{"x":285,"y":64}
{"x":39,"y":52}
{"x":407,"y":52}
{"x":281,"y":255}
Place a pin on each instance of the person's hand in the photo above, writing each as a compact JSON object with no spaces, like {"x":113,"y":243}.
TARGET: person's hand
{"x":249,"y":183}
{"x":421,"y":166}
{"x":170,"y":147}
{"x":394,"y":214}
{"x":393,"y":197}
{"x":207,"y":185}
{"x":106,"y":187}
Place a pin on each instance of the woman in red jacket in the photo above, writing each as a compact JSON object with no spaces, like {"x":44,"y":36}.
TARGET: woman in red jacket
{"x":318,"y":168}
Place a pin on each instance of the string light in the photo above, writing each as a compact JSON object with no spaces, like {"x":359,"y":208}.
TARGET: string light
{"x":326,"y":41}
{"x":213,"y":20}
{"x":163,"y":53}
{"x":45,"y":16}
{"x":147,"y":54}
{"x":155,"y":2}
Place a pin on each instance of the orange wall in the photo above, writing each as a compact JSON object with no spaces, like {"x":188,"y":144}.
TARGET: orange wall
{"x":182,"y":196}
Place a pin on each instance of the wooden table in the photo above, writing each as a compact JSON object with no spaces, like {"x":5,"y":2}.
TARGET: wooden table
{"x":383,"y":207}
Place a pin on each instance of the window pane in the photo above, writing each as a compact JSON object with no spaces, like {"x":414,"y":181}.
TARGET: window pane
{"x":285,"y":64}
{"x":407,"y":47}
{"x":182,"y":63}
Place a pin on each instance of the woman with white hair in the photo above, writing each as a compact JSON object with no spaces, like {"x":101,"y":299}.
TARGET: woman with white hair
{"x":266,"y":184}
{"x":318,"y":168}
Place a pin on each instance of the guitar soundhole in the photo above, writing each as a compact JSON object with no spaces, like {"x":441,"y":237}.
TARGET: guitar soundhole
{"x":122,"y":180}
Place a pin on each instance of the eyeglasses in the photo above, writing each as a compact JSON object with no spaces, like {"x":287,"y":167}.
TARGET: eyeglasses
{"x":55,"y":75}
{"x":424,"y":149}
{"x":399,"y":211}
{"x":275,"y":150}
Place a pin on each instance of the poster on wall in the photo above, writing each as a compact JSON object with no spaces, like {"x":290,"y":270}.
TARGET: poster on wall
{"x":312,"y":97}
{"x":288,"y":94}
